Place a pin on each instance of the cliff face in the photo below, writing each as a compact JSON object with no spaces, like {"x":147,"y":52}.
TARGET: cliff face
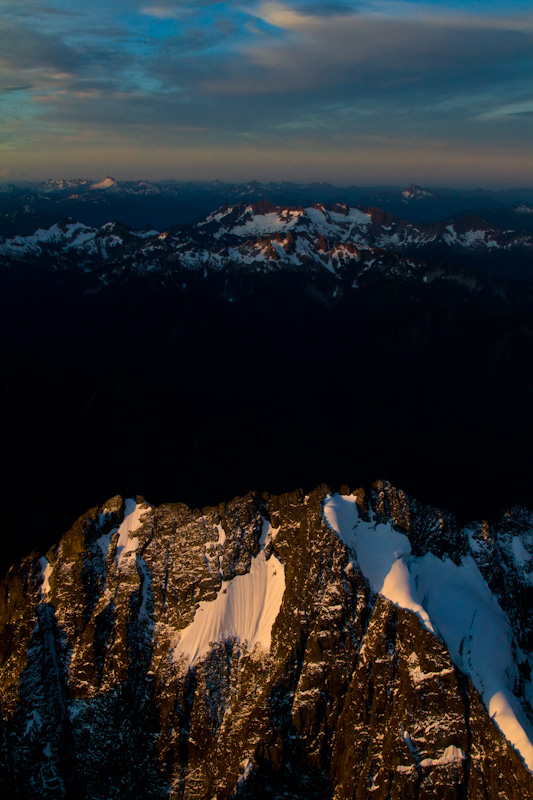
{"x":328,"y":646}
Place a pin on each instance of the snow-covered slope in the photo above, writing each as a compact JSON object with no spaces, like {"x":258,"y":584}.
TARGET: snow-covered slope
{"x":245,"y":609}
{"x":453,"y":601}
{"x":106,"y":183}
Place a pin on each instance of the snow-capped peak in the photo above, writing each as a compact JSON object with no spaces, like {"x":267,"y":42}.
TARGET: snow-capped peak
{"x":415,"y":192}
{"x":107,"y":183}
{"x":60,"y":185}
{"x":266,"y":219}
{"x":523,"y":208}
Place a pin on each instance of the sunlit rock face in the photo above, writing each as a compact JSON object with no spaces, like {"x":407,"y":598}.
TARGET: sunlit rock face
{"x":334,"y":645}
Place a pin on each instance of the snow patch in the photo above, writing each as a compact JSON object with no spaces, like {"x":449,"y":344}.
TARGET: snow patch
{"x":521,"y":556}
{"x":84,"y":235}
{"x":127,"y":545}
{"x":245,"y":610}
{"x":264,"y":224}
{"x":451,"y":755}
{"x":104,"y":542}
{"x":342,"y":516}
{"x":146,"y":584}
{"x":380,"y":552}
{"x":418,"y":676}
{"x":450,"y":599}
{"x":354,"y":216}
{"x":107,"y":183}
{"x":410,"y":744}
{"x":46,"y":571}
{"x":321,"y":221}
{"x":34,"y":721}
{"x":475,"y":546}
{"x":247,"y":769}
{"x":221,"y":534}
{"x":268,"y":533}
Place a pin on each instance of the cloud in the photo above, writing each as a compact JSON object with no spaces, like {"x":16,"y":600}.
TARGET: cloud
{"x":161,"y":12}
{"x":318,"y":76}
{"x":518,"y":109}
{"x":398,"y":44}
{"x":325,"y":9}
{"x":24,"y":48}
{"x":181,"y":9}
{"x":350,"y":71}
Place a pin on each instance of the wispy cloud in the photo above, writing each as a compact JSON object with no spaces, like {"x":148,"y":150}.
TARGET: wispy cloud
{"x":521,"y":108}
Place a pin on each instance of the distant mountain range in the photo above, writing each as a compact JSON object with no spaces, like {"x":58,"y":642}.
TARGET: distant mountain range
{"x":163,"y":204}
{"x":260,"y":236}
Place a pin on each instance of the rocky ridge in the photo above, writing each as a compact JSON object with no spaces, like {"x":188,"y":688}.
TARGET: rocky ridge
{"x":135,"y":660}
{"x":261,"y":237}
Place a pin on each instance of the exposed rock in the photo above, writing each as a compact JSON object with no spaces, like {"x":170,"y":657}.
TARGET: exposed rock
{"x":347,"y":695}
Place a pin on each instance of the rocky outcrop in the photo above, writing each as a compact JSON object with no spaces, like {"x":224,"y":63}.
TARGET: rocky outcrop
{"x":247,"y":650}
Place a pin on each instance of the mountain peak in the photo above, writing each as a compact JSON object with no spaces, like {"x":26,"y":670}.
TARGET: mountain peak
{"x":62,"y":184}
{"x":107,"y":183}
{"x":523,"y":208}
{"x":415,"y":192}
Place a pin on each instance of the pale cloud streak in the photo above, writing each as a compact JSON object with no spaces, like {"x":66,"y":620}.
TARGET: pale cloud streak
{"x":521,"y":108}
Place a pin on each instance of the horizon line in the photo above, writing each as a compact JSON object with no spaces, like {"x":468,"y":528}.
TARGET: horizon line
{"x":15,"y":181}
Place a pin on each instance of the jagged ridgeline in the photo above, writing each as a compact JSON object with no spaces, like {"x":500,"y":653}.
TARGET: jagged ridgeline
{"x":330,"y":645}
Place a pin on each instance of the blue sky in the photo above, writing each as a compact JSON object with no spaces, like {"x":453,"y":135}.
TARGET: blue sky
{"x":349,"y":92}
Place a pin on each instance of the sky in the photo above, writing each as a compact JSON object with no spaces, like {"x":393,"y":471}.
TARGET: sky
{"x":386,"y":92}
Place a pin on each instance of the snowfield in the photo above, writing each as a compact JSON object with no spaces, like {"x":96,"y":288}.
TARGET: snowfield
{"x":245,"y":610}
{"x":451,"y":600}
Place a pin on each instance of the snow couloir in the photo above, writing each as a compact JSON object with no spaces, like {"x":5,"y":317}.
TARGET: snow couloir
{"x":451,"y":600}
